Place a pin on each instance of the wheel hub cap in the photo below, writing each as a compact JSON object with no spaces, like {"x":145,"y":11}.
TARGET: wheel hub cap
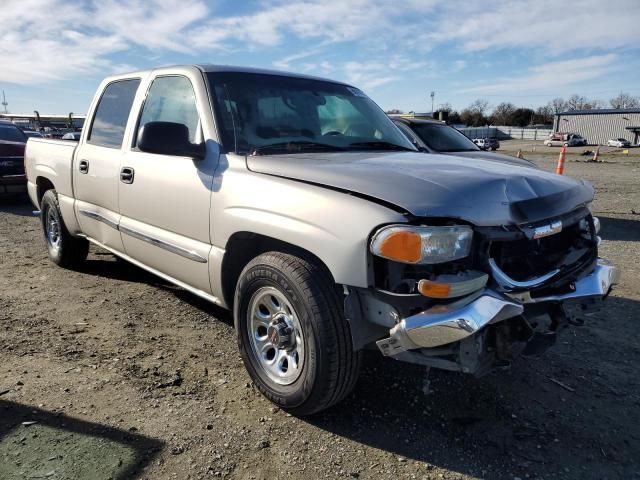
{"x":275,"y":335}
{"x":281,"y":334}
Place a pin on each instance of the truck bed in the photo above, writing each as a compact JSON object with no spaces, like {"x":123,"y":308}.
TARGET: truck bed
{"x":51,"y":159}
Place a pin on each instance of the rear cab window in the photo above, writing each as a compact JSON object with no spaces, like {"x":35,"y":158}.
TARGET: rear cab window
{"x":112,"y":113}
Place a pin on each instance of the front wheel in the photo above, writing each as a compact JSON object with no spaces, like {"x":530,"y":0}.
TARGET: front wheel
{"x":64,"y":250}
{"x":293,"y":337}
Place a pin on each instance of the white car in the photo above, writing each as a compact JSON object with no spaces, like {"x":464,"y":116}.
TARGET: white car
{"x":74,"y":136}
{"x":618,"y":142}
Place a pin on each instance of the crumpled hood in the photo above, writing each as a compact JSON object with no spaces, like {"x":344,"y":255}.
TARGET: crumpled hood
{"x":482,"y":192}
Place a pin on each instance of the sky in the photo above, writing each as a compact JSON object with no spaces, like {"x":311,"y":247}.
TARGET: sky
{"x":54,"y":53}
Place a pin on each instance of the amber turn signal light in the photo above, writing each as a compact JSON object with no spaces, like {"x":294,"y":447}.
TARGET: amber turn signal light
{"x":434,"y":289}
{"x":402,"y":246}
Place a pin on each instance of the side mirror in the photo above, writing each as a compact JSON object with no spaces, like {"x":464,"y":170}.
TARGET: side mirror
{"x":169,"y":138}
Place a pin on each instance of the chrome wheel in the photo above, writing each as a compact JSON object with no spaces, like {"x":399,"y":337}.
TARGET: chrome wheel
{"x":52,"y":229}
{"x":276,"y":336}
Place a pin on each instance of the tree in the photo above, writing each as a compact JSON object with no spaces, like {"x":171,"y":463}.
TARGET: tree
{"x":557,"y":105}
{"x":454,"y":118}
{"x":502,"y":113}
{"x":577,"y":102}
{"x":544,"y":115}
{"x":474,"y":114}
{"x":522,"y":117}
{"x":479,"y":107}
{"x":624,"y":100}
{"x":394,"y":111}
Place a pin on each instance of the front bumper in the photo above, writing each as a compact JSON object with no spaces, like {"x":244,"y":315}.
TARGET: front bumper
{"x":444,"y":325}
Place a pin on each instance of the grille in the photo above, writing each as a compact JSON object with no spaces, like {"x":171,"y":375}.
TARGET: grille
{"x":569,"y":250}
{"x":11,"y":165}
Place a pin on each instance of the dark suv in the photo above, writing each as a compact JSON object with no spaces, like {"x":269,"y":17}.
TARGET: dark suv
{"x":433,"y":136}
{"x":12,"y":144}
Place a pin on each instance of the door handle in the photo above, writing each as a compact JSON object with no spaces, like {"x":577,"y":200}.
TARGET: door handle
{"x":126,"y":175}
{"x":84,"y":166}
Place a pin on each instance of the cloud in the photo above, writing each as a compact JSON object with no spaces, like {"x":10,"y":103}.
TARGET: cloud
{"x":45,"y":40}
{"x":552,"y":75}
{"x":558,"y":28}
{"x":329,"y":22}
{"x":155,"y":24}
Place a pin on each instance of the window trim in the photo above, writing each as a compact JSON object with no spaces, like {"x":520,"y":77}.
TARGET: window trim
{"x":95,"y":112}
{"x":134,"y":137}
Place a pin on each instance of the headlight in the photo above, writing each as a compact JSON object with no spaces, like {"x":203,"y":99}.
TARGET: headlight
{"x":409,"y":244}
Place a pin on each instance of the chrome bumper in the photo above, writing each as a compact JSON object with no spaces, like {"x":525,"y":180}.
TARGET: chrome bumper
{"x":448,"y":324}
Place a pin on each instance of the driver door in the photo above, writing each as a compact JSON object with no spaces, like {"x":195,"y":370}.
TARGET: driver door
{"x":165,"y":199}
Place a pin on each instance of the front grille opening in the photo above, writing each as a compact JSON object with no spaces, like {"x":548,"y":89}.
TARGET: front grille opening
{"x":524,"y":259}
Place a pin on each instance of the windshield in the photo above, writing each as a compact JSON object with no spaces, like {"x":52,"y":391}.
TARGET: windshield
{"x":272,"y":114}
{"x":443,"y":138}
{"x":9,"y":133}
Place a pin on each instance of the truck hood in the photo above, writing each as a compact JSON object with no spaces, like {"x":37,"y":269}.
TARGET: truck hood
{"x":480,"y":191}
{"x":497,"y":157}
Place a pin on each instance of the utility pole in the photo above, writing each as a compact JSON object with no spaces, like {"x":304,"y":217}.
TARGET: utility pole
{"x":4,"y":102}
{"x":433,"y":94}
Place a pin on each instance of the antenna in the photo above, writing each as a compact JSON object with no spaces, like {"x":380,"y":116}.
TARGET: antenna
{"x":4,"y":102}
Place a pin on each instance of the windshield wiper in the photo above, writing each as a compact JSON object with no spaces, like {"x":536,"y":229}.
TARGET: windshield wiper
{"x":295,"y":147}
{"x":378,"y":145}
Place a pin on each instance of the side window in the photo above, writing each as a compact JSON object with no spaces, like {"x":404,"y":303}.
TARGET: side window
{"x":112,"y":113}
{"x":171,"y":99}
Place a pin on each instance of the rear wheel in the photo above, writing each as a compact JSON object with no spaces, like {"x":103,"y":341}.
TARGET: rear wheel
{"x":64,"y":250}
{"x":292,"y":334}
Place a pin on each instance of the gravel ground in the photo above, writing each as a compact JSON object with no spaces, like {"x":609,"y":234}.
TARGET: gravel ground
{"x":128,"y":376}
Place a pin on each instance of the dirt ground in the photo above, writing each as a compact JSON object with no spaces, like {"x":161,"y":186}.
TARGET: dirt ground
{"x":127,"y":376}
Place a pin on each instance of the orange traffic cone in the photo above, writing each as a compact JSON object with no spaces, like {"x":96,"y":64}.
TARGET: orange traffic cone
{"x":561,"y":158}
{"x":519,"y":154}
{"x":596,"y":154}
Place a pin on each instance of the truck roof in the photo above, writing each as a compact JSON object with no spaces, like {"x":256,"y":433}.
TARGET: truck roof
{"x":211,"y":68}
{"x":263,"y":71}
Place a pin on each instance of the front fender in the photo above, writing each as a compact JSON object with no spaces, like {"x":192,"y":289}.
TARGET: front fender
{"x":332,"y":225}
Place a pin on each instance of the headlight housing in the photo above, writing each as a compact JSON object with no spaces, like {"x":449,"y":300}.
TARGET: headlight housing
{"x":423,"y":245}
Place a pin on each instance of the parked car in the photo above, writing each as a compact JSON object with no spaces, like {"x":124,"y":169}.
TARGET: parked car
{"x":324,"y":232}
{"x":618,"y":142}
{"x":565,"y":139}
{"x":487,"y":143}
{"x":12,"y":144}
{"x":432,"y":136}
{"x":74,"y":136}
{"x":32,"y":134}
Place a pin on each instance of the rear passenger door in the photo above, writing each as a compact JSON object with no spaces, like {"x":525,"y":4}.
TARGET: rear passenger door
{"x":96,"y":165}
{"x":165,"y":200}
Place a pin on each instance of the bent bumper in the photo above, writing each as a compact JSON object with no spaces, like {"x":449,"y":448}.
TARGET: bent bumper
{"x":443,"y":325}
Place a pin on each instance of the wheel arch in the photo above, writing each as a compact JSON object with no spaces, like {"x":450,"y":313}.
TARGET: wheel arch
{"x":244,"y":246}
{"x":42,"y":185}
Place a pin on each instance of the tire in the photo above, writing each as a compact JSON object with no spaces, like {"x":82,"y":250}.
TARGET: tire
{"x":321,"y":366}
{"x":64,"y":250}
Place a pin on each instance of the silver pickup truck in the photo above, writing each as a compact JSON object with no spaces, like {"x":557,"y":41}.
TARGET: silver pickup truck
{"x":295,"y":202}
